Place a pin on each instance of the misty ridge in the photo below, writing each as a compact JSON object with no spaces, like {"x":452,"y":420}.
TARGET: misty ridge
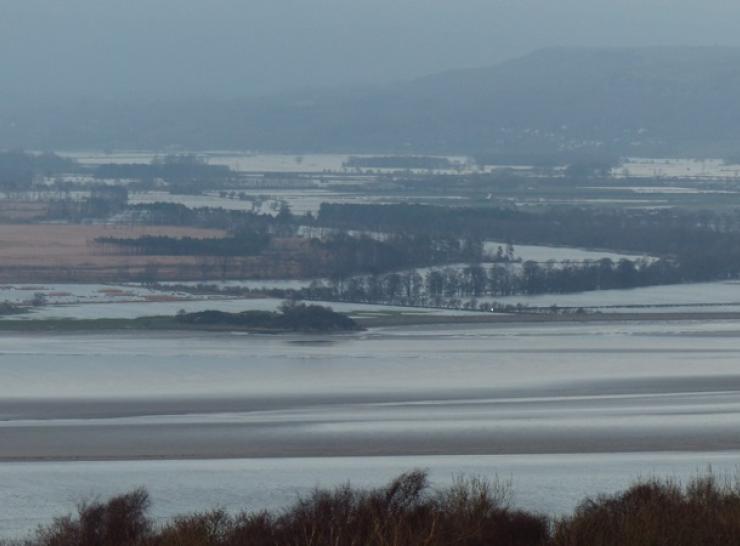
{"x":653,"y":102}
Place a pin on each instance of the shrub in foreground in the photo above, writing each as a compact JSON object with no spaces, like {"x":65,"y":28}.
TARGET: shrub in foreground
{"x":405,"y":513}
{"x":408,"y":513}
{"x":121,"y":521}
{"x":656,"y":513}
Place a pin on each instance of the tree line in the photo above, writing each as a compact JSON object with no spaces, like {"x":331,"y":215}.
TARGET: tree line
{"x":244,"y":243}
{"x":701,"y":245}
{"x":349,"y":255}
{"x":176,"y":170}
{"x":337,"y":256}
{"x":18,"y":169}
{"x":399,"y":162}
{"x":456,"y":286}
{"x":696,"y":245}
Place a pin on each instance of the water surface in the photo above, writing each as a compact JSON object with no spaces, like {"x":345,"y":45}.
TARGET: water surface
{"x":247,"y":421}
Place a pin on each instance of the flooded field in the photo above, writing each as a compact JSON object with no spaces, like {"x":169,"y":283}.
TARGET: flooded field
{"x":270,"y":201}
{"x":541,"y":253}
{"x":262,"y":201}
{"x":713,"y":296}
{"x":129,"y":301}
{"x":239,"y":161}
{"x":532,"y":403}
{"x":77,"y":294}
{"x":634,"y":167}
{"x":677,"y":168}
{"x":244,"y":161}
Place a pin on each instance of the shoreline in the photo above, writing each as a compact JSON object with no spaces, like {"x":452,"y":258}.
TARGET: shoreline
{"x":170,"y":324}
{"x":729,"y":451}
{"x":529,"y":318}
{"x":320,"y":456}
{"x":162,"y":324}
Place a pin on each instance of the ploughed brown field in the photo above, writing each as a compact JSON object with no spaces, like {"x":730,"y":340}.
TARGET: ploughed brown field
{"x":69,"y":253}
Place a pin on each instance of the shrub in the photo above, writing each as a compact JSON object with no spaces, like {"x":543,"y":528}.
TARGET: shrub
{"x":656,"y":513}
{"x":122,"y":521}
{"x":405,"y":513}
{"x":408,"y":513}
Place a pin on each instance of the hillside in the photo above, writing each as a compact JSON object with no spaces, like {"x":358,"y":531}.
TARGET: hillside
{"x":650,"y":101}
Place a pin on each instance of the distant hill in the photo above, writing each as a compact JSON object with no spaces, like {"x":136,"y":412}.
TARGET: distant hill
{"x":683,"y":101}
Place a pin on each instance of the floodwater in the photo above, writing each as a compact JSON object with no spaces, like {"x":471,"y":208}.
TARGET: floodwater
{"x":130,"y":301}
{"x":709,"y":296}
{"x":541,"y":253}
{"x":246,"y":161}
{"x":262,"y":201}
{"x":248,"y":421}
{"x":677,"y":168}
{"x":269,"y":201}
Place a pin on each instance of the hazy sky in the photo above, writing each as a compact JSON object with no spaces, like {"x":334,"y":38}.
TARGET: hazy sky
{"x":159,"y":49}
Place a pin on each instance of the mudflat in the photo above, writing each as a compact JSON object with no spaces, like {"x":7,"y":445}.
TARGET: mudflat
{"x":424,"y":390}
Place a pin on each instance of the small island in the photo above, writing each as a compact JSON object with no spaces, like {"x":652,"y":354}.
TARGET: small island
{"x":290,"y":318}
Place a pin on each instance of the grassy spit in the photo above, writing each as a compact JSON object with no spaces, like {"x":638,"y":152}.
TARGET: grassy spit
{"x":291,"y":317}
{"x":383,"y":319}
